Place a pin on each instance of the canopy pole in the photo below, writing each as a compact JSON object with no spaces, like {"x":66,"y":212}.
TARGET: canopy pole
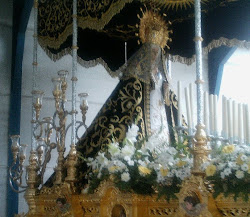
{"x":198,"y":50}
{"x":74,"y":72}
{"x":72,"y":158}
{"x":200,"y":150}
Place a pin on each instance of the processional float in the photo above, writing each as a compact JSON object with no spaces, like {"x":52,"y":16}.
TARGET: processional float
{"x":108,"y":200}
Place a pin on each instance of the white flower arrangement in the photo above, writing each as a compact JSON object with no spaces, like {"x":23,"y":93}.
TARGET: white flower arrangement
{"x":229,"y":170}
{"x":229,"y":159}
{"x":134,"y":164}
{"x":152,"y":164}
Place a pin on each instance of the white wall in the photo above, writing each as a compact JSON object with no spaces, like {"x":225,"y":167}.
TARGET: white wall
{"x":5,"y":72}
{"x":237,"y":63}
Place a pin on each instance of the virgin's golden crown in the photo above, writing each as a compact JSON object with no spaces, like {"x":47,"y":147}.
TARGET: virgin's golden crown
{"x":154,"y":29}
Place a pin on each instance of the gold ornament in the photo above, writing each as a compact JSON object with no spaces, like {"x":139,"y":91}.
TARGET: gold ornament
{"x":174,"y":4}
{"x":154,"y":29}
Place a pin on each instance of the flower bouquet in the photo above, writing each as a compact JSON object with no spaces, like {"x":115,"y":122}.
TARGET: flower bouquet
{"x":143,"y":167}
{"x":229,"y":170}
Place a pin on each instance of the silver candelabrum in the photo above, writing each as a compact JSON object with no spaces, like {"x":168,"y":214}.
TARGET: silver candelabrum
{"x":43,"y":143}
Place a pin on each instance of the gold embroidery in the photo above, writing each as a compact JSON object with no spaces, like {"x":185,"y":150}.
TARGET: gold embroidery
{"x":147,"y":108}
{"x":115,"y":116}
{"x":54,"y":29}
{"x":55,"y":17}
{"x":100,"y":17}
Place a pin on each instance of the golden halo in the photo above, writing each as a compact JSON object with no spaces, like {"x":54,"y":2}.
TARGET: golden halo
{"x":171,"y":4}
{"x":154,"y":29}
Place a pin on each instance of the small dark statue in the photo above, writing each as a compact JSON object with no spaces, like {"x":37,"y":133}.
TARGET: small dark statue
{"x":63,"y":208}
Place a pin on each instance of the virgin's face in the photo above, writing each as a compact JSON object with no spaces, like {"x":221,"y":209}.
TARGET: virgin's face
{"x":155,"y":54}
{"x":154,"y":58}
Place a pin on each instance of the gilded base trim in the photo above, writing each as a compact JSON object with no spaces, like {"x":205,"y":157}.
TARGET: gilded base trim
{"x":107,"y":201}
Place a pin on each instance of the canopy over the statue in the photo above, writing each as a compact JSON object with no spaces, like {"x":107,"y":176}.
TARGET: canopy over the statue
{"x":105,"y":26}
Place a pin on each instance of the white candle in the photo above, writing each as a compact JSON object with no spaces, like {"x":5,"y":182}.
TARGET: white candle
{"x":247,"y":124}
{"x":38,"y":100}
{"x":188,"y":110}
{"x":229,"y":115}
{"x":240,"y":119}
{"x":244,"y":123}
{"x":57,"y":87}
{"x":211,"y":120}
{"x":179,"y":104}
{"x":206,"y":112}
{"x":215,"y":113}
{"x":235,"y":122}
{"x":191,"y":105}
{"x":126,"y":53}
{"x":225,"y":117}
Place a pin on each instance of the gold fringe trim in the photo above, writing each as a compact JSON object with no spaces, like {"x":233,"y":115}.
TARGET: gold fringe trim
{"x":84,"y":63}
{"x":174,"y":58}
{"x":213,"y":44}
{"x":92,"y":63}
{"x":57,"y":56}
{"x":226,"y":42}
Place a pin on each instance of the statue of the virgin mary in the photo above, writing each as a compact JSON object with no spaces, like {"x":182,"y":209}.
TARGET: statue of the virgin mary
{"x":141,"y":97}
